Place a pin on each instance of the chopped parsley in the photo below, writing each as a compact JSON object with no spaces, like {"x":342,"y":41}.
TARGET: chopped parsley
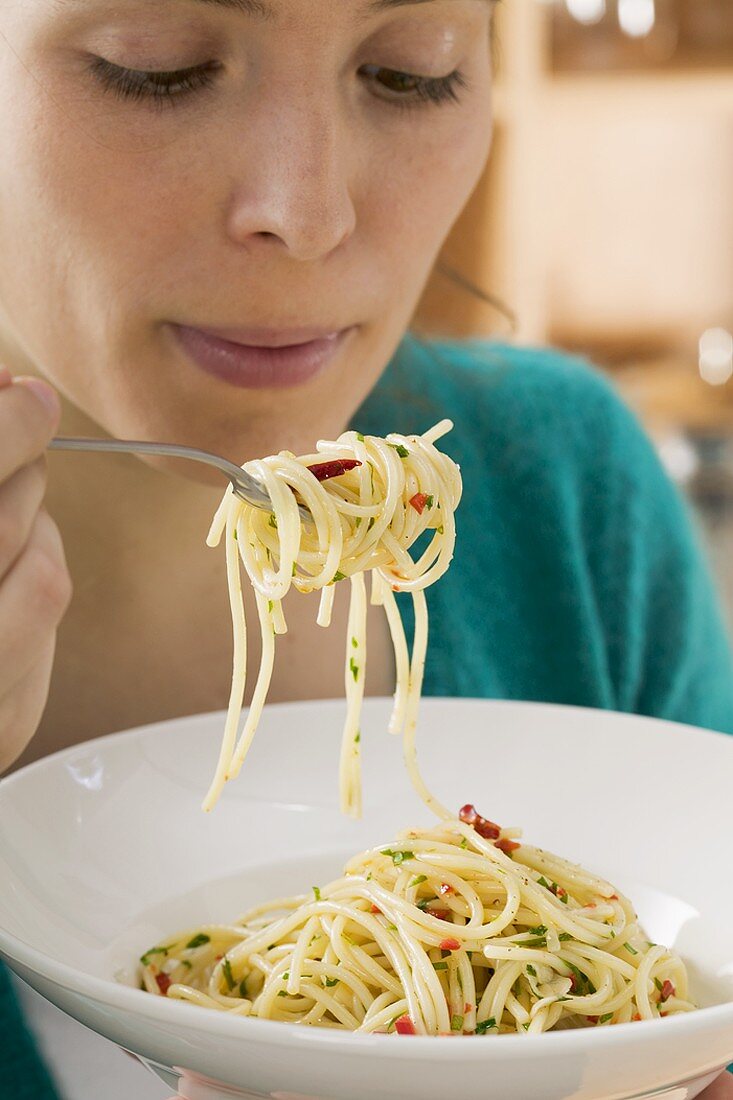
{"x":243,"y":988}
{"x":273,"y":521}
{"x":145,"y":959}
{"x":226,"y":967}
{"x":360,"y":437}
{"x":354,"y":669}
{"x":630,"y":949}
{"x":357,"y":522}
{"x":357,"y":739}
{"x":542,"y":881}
{"x":460,"y":980}
{"x":270,"y":605}
{"x":331,"y":982}
{"x":401,"y":451}
{"x":582,"y":985}
{"x":464,"y":843}
{"x":604,"y":1019}
{"x":391,"y":927}
{"x":564,"y":936}
{"x":456,"y":1023}
{"x":397,"y":857}
{"x":283,"y":993}
{"x":440,"y":529}
{"x":316,"y":892}
{"x":338,"y":576}
{"x":485,"y":1025}
{"x":235,"y":535}
{"x":526,"y":1027}
{"x":658,"y":984}
{"x":425,"y":902}
{"x":429,"y":501}
{"x":442,"y":965}
{"x":417,"y":880}
{"x":531,"y":970}
{"x":354,"y":643}
{"x":198,"y":941}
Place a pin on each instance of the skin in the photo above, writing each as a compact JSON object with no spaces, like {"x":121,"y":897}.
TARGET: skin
{"x":284,"y":194}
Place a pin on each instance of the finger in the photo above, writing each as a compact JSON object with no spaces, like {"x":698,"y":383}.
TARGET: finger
{"x":722,"y":1089}
{"x":21,"y":709}
{"x":20,"y":500}
{"x":29,"y":416}
{"x":33,"y":598}
{"x":5,"y":377}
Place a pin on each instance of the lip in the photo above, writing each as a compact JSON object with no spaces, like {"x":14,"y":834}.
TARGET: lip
{"x":260,"y":358}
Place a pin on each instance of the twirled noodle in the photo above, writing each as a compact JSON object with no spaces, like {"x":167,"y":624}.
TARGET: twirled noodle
{"x":444,"y":931}
{"x":365,"y":520}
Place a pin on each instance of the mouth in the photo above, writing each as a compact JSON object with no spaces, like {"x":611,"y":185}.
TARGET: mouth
{"x":263,"y":358}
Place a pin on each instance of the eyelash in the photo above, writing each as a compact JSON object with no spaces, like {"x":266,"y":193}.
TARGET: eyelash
{"x":167,"y":88}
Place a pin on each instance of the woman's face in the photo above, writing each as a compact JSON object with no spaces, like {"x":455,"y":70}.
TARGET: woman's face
{"x":176,"y":165}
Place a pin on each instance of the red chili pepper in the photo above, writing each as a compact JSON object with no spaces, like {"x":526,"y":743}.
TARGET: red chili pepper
{"x":507,"y":846}
{"x":164,"y":983}
{"x":485,"y":828}
{"x":467,"y":1008}
{"x":446,"y":889}
{"x":636,"y":1017}
{"x":451,"y":944}
{"x":593,"y":1019}
{"x":419,"y":501}
{"x":441,"y":914}
{"x":614,"y":897}
{"x":405,"y":1026}
{"x":375,"y":908}
{"x":559,"y":893}
{"x":668,"y":990}
{"x":337,"y":466}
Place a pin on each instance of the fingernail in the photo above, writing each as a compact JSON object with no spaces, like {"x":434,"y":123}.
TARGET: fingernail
{"x":45,"y":393}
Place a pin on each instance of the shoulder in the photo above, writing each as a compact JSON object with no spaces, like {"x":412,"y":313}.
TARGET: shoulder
{"x":534,"y":410}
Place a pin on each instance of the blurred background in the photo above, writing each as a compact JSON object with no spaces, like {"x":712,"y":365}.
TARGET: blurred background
{"x":604,"y":221}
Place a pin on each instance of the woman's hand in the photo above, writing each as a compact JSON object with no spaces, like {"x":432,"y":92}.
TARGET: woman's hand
{"x":722,"y":1089}
{"x":35,"y":587}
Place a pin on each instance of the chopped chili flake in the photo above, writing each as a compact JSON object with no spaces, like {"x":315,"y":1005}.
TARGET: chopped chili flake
{"x":467,"y":1008}
{"x":507,"y":846}
{"x":335,"y":468}
{"x":451,"y":944}
{"x":419,"y":502}
{"x":375,"y":908}
{"x":614,"y":897}
{"x":636,"y":1016}
{"x":668,"y":990}
{"x":592,"y":1019}
{"x":441,"y":914}
{"x":164,"y":983}
{"x":485,"y":828}
{"x":446,"y":889}
{"x":404,"y":1026}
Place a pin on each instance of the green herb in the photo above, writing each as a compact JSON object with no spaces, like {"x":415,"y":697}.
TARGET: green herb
{"x":401,"y":451}
{"x":186,"y":963}
{"x":485,"y":1025}
{"x":392,"y":1023}
{"x":540,"y":930}
{"x":270,"y":606}
{"x":658,"y":984}
{"x":369,"y":876}
{"x":564,"y":936}
{"x":440,"y":965}
{"x":630,"y":949}
{"x":226,"y":967}
{"x":417,"y":880}
{"x":338,"y":576}
{"x":331,"y":982}
{"x":316,"y":893}
{"x":235,"y":535}
{"x":469,"y":954}
{"x":372,"y":521}
{"x":199,"y":940}
{"x":456,"y":1023}
{"x":294,"y":569}
{"x":582,"y":985}
{"x":357,"y":522}
{"x":243,"y":988}
{"x":397,"y":857}
{"x":273,"y":521}
{"x":531,"y":970}
{"x":526,"y":1027}
{"x":604,"y":1019}
{"x":360,"y":437}
{"x":425,"y":902}
{"x":354,"y":643}
{"x":650,"y":944}
{"x":445,"y":954}
{"x":460,"y":980}
{"x":354,"y":669}
{"x":267,"y":552}
{"x":145,"y":959}
{"x":429,"y":501}
{"x":286,"y":975}
{"x":283,"y":993}
{"x":440,"y":529}
{"x":542,"y":881}
{"x":391,"y":927}
{"x":561,"y":999}
{"x":357,"y":739}
{"x":464,"y":842}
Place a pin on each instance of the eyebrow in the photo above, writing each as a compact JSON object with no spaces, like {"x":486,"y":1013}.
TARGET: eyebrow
{"x":261,"y":10}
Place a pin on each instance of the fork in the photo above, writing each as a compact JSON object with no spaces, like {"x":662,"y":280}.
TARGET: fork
{"x":243,"y":486}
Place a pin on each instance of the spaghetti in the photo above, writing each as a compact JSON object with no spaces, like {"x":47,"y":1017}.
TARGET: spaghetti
{"x":370,"y":500}
{"x":457,"y":929}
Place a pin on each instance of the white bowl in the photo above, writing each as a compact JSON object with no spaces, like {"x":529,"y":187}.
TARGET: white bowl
{"x":104,"y":851}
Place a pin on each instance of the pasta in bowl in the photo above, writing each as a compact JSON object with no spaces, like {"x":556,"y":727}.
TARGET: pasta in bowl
{"x":91,"y":887}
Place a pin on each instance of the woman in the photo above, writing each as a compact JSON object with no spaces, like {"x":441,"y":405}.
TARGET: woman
{"x":186,"y":186}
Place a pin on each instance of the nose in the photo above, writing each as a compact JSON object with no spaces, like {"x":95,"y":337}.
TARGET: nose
{"x":292,"y":186}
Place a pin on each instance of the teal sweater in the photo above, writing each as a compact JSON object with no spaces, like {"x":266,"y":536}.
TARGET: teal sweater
{"x":577,"y":576}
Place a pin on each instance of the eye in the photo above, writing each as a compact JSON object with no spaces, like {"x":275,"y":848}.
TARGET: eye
{"x":156,"y":87}
{"x":412,"y":90}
